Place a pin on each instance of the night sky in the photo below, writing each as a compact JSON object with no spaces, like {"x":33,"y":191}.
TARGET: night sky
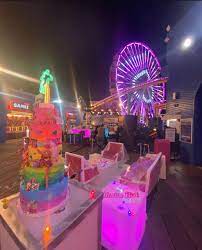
{"x":81,"y":38}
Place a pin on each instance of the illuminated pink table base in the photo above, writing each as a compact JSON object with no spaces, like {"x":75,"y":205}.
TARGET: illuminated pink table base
{"x":123,"y":217}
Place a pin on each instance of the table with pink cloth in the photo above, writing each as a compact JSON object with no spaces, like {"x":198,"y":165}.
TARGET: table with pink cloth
{"x":163,"y":146}
{"x":87,"y":132}
{"x":123,"y":217}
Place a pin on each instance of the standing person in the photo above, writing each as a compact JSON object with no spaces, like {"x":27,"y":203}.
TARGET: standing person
{"x":93,"y":136}
{"x":118,"y":134}
{"x":100,"y":136}
{"x":177,"y":145}
{"x":120,"y":131}
{"x":94,"y":133}
{"x":106,"y":135}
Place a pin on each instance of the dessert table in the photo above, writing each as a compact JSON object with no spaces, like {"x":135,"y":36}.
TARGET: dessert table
{"x":120,"y":229}
{"x":87,"y":132}
{"x":123,"y":217}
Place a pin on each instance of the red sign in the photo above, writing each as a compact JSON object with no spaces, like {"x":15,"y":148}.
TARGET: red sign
{"x":18,"y":105}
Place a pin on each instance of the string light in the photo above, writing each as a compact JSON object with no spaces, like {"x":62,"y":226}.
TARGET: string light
{"x":47,"y":229}
{"x":46,"y":236}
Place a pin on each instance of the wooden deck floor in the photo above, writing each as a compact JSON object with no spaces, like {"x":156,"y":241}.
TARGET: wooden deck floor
{"x":175,"y":217}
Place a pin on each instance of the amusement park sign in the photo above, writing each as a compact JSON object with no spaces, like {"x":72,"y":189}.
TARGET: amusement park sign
{"x":19,"y":105}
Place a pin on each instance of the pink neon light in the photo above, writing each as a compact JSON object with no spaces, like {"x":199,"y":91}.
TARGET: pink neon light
{"x":78,"y":131}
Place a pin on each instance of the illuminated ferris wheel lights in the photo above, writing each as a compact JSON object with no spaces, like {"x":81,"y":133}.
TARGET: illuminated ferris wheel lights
{"x":135,"y":61}
{"x":122,"y":70}
{"x":159,"y":94}
{"x":125,"y":66}
{"x":129,"y":65}
{"x":120,"y":75}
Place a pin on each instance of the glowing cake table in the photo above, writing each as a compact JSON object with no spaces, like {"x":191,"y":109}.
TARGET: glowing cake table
{"x":123,"y":217}
{"x":120,"y":230}
{"x":81,"y":220}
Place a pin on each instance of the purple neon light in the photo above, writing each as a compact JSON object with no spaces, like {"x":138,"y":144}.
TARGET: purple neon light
{"x":133,"y":62}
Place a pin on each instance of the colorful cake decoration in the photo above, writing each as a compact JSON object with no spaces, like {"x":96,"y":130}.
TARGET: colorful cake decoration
{"x":43,"y":183}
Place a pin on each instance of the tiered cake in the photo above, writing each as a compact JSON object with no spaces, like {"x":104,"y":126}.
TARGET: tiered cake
{"x":43,"y":184}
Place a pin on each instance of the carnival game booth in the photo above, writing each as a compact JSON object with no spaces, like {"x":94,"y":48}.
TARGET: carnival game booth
{"x":15,"y":112}
{"x":19,"y":115}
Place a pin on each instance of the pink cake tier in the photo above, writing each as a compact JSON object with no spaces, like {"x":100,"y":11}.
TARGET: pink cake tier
{"x":43,"y":185}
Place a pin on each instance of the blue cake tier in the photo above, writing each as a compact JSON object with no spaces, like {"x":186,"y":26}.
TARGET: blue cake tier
{"x":41,"y":200}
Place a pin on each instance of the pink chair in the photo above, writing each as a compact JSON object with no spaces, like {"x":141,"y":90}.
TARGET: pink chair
{"x":79,"y":168}
{"x":115,"y":151}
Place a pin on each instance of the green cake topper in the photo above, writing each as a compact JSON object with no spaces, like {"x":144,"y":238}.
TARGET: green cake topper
{"x":46,"y":78}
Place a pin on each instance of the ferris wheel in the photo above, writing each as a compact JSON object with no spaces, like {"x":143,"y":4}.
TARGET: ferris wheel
{"x":134,"y":65}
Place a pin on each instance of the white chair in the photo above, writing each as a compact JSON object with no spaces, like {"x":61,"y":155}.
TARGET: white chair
{"x":144,"y":178}
{"x":115,"y":151}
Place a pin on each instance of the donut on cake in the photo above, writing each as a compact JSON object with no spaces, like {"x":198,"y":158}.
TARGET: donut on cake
{"x":43,"y":184}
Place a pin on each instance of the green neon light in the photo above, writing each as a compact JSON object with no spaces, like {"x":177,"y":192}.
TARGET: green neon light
{"x":46,"y":77}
